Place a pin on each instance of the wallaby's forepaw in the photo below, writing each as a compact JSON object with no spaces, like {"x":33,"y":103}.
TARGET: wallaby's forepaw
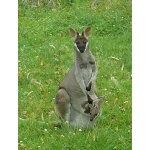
{"x":88,"y":88}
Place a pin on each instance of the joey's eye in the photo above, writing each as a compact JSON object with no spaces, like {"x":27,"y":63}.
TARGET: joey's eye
{"x":77,"y":43}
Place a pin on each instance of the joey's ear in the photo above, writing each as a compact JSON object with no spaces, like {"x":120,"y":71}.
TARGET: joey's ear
{"x":87,"y":31}
{"x":101,"y":98}
{"x":73,"y":32}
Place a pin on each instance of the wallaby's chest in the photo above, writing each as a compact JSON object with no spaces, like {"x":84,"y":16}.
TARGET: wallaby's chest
{"x":86,"y":70}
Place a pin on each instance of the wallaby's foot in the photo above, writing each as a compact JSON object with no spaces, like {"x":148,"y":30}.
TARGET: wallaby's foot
{"x":86,"y":107}
{"x":62,"y":102}
{"x":57,"y":124}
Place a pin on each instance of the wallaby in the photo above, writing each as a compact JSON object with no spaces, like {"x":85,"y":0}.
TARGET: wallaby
{"x":92,"y":108}
{"x":72,"y":92}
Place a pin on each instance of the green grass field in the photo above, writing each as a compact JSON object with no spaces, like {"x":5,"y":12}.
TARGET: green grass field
{"x":45,"y":55}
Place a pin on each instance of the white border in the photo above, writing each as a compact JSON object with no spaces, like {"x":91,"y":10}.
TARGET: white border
{"x":141,"y":74}
{"x":9,"y":75}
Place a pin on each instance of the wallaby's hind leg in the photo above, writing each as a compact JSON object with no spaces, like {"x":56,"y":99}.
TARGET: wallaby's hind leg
{"x":62,"y":102}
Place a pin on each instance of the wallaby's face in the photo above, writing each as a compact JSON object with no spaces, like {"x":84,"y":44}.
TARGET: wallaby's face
{"x":80,"y":40}
{"x":81,"y":43}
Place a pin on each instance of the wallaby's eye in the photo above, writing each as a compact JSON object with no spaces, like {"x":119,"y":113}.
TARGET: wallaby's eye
{"x":84,"y":42}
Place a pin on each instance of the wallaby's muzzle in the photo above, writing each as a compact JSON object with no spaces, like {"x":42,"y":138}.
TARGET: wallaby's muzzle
{"x":81,"y":48}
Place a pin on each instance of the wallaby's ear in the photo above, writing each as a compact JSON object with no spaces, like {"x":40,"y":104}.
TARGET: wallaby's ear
{"x":73,"y":32}
{"x":87,"y":31}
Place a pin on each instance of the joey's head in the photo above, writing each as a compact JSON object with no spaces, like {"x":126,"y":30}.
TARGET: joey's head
{"x":80,"y":40}
{"x":96,"y":107}
{"x":94,"y":112}
{"x":93,"y":107}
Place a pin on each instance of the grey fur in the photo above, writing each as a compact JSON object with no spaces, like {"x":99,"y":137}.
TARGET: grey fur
{"x":72,"y":91}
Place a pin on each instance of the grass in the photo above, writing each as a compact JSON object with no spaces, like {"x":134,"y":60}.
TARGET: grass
{"x":46,"y":54}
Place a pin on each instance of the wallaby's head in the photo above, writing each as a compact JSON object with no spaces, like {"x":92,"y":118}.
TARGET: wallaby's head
{"x":80,"y":40}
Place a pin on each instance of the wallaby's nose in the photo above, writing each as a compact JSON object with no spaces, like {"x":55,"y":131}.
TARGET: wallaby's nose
{"x":81,"y":48}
